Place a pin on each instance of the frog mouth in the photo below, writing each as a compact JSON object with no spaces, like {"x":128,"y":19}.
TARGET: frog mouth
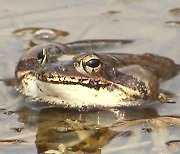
{"x":94,"y":83}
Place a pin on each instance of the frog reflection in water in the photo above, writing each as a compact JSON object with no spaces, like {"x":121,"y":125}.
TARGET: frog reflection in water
{"x":56,"y":74}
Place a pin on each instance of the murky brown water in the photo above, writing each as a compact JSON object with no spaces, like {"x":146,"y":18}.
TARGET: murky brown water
{"x":27,"y":128}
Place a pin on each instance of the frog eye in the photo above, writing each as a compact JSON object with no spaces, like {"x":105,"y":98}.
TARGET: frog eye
{"x":41,"y":56}
{"x":91,"y":64}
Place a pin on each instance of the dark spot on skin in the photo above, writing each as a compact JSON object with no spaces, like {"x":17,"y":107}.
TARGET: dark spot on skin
{"x":95,"y":95}
{"x":40,"y":89}
{"x":91,"y":82}
{"x":64,"y":80}
{"x":26,"y":83}
{"x":72,"y":77}
{"x":80,"y":80}
{"x":51,"y":75}
{"x":59,"y":76}
{"x":17,"y":129}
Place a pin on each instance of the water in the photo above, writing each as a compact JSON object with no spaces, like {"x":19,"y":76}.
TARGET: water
{"x":27,"y":128}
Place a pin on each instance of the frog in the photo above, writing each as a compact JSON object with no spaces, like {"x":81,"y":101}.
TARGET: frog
{"x":56,"y":74}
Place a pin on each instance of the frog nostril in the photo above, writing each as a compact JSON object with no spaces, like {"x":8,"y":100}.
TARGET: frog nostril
{"x":76,"y":64}
{"x":64,"y":69}
{"x":60,"y":66}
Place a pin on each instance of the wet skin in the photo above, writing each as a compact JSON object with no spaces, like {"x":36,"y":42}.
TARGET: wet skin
{"x":57,"y":74}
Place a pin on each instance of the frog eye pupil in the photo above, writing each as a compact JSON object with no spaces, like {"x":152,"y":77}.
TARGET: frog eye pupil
{"x":40,"y":55}
{"x":93,"y":63}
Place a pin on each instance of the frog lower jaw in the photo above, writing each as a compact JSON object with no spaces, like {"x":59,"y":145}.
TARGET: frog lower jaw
{"x":78,"y":95}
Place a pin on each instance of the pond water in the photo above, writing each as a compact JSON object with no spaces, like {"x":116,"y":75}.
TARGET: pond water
{"x":27,"y":128}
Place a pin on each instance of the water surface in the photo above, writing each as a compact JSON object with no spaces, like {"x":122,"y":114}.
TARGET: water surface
{"x":26,"y":128}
